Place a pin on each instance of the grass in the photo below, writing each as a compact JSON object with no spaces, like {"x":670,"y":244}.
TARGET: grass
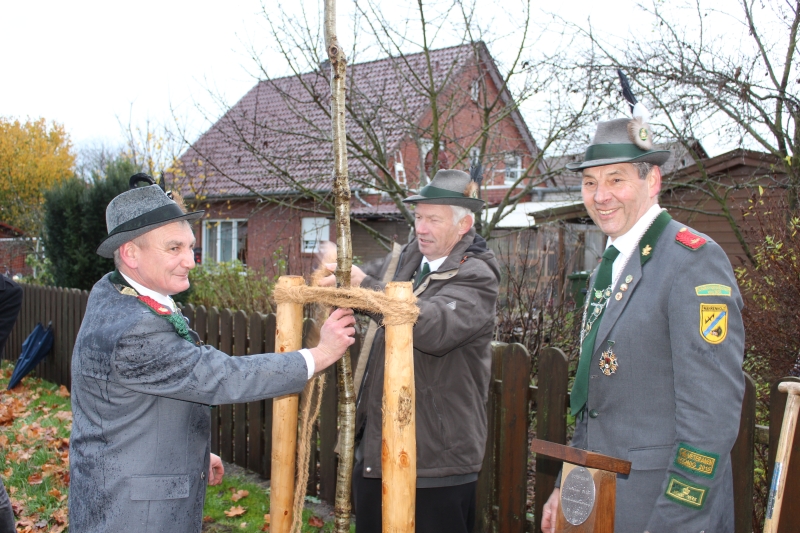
{"x":35,"y":425}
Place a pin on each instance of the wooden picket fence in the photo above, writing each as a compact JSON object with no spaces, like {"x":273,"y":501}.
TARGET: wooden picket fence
{"x":241,"y":433}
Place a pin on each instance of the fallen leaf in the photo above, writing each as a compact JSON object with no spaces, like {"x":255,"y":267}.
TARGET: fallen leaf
{"x":237,"y":510}
{"x":266,"y":518}
{"x":58,"y":529}
{"x":63,"y":392}
{"x":208,"y":519}
{"x":265,"y":527}
{"x":315,"y":521}
{"x":239,"y":494}
{"x":55,"y":493}
{"x":16,"y":506}
{"x":3,"y":440}
{"x":243,"y":525}
{"x":64,"y":415}
{"x":35,"y":479}
{"x":41,"y":524}
{"x":8,"y":472}
{"x":60,"y":515}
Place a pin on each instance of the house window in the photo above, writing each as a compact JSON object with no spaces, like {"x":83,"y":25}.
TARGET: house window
{"x":315,"y":230}
{"x":225,"y":240}
{"x":474,"y":155}
{"x":475,"y":90}
{"x":514,"y":168}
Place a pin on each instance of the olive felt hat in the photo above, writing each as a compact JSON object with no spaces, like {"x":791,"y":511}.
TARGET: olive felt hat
{"x":621,"y":140}
{"x":449,"y":187}
{"x":137,"y":211}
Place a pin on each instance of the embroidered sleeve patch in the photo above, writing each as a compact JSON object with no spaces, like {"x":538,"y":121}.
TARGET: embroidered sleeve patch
{"x":686,"y":493}
{"x":696,"y":461}
{"x":713,"y":322}
{"x":713,"y":289}
{"x":689,"y":239}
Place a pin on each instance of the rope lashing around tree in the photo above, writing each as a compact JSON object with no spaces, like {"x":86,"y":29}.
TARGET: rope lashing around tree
{"x":394,"y":312}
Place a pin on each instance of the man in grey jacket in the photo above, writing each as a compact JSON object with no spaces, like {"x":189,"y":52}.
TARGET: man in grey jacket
{"x":142,"y":382}
{"x":456,"y":281}
{"x":659,"y":380}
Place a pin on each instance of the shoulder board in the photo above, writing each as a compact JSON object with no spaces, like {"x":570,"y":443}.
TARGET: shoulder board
{"x":689,"y":239}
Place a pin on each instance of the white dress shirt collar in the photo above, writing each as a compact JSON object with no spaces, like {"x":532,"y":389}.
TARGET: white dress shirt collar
{"x":433,"y":265}
{"x":144,"y":291}
{"x":628,"y":243}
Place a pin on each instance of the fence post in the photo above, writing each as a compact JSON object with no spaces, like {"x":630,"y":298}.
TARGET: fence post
{"x":255,"y":410}
{"x":212,"y":339}
{"x":270,"y":327}
{"x":789,"y":522}
{"x":512,"y":453}
{"x":551,"y":422}
{"x":742,"y":456}
{"x":240,"y":409}
{"x":311,"y":334}
{"x":485,"y":492}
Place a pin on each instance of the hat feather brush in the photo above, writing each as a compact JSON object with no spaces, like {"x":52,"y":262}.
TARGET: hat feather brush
{"x":638,"y":128}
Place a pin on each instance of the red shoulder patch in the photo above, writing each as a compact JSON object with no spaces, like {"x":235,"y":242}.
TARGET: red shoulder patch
{"x":689,"y":239}
{"x":154,"y":305}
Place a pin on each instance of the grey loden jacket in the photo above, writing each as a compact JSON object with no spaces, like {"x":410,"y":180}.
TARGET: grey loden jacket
{"x":673,"y":405}
{"x":452,"y":360}
{"x":139,"y":452}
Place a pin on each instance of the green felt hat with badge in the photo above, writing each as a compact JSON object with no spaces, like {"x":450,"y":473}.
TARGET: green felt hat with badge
{"x":623,"y":140}
{"x":449,"y":187}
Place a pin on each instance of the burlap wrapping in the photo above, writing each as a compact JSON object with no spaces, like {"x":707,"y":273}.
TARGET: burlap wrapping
{"x":394,"y":312}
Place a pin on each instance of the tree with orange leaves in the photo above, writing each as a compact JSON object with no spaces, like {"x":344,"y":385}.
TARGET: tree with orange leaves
{"x":34,"y":155}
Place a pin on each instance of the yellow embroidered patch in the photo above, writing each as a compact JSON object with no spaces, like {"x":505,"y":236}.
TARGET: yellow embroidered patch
{"x":127,"y":291}
{"x":686,"y":493}
{"x":713,"y":322}
{"x":696,"y":461}
{"x":646,"y":250}
{"x":713,"y":289}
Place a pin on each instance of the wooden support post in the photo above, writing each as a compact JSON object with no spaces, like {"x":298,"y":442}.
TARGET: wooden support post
{"x":288,"y":338}
{"x":399,"y":438}
{"x":783,"y":456}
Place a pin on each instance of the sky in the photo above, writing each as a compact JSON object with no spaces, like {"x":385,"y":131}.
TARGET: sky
{"x":97,"y":66}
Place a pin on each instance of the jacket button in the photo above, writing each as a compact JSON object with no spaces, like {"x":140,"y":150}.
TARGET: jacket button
{"x":593,"y":413}
{"x":202,"y":475}
{"x":368,"y":469}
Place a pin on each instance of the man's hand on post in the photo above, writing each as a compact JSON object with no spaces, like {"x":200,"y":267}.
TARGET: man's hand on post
{"x":549,"y":512}
{"x":215,"y":470}
{"x":356,"y":276}
{"x":335,"y":336}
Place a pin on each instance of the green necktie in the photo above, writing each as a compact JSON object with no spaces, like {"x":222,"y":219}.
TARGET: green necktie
{"x":426,"y":269}
{"x":598,"y":298}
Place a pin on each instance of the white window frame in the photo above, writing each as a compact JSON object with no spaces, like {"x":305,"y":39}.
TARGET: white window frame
{"x":319,"y":228}
{"x":475,"y":90}
{"x":514,"y":168}
{"x":218,"y":244}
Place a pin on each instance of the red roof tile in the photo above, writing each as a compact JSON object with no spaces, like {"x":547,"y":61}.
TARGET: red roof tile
{"x":284,"y":124}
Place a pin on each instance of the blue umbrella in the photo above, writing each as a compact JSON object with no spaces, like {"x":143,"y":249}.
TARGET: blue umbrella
{"x":35,"y":347}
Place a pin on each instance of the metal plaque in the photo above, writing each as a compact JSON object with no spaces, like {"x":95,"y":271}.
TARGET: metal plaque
{"x":577,"y":496}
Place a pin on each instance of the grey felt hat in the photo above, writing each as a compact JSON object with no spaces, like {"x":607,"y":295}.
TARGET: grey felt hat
{"x":621,"y":140}
{"x":137,"y":211}
{"x":449,"y":187}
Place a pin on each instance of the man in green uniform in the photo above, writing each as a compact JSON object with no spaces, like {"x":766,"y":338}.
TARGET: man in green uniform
{"x":659,"y":381}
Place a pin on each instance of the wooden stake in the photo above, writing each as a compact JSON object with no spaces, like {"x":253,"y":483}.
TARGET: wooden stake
{"x":288,"y":338}
{"x":782,"y":456}
{"x":399,"y":439}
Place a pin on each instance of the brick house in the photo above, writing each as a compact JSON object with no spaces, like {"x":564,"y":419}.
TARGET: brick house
{"x":262,"y":171}
{"x":14,"y":249}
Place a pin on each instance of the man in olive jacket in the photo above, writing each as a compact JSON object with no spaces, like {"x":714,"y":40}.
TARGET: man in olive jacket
{"x":142,"y":381}
{"x":456,"y":281}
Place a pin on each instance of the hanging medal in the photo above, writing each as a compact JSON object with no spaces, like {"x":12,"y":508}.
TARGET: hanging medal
{"x":608,"y":360}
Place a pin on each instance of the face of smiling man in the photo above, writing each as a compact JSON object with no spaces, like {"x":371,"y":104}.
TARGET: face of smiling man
{"x":161,"y":259}
{"x":616,"y":197}
{"x":437,"y":234}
